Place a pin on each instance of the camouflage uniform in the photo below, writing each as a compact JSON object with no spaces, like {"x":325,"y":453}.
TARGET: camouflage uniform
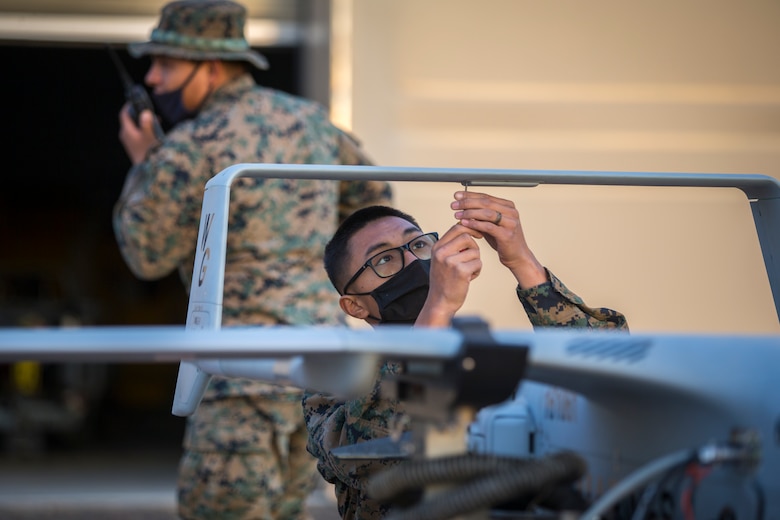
{"x":333,"y":423}
{"x":245,"y":447}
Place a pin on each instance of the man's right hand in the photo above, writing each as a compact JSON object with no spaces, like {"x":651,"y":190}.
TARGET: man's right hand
{"x":454,"y":264}
{"x":137,"y":140}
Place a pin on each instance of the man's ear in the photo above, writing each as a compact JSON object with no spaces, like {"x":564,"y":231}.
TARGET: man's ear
{"x":217,"y":74}
{"x":350,"y":305}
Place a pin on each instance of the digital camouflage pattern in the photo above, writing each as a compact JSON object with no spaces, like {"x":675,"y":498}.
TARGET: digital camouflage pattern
{"x":333,"y":423}
{"x":553,"y":305}
{"x":278,"y":229}
{"x":262,"y":470}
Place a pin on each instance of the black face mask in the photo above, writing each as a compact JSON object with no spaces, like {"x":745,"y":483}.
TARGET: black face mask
{"x":170,"y":106}
{"x":402,"y":297}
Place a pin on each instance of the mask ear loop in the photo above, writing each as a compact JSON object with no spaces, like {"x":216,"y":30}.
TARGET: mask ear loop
{"x":192,"y":75}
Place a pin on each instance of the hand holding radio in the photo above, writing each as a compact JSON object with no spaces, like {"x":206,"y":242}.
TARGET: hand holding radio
{"x":137,"y":98}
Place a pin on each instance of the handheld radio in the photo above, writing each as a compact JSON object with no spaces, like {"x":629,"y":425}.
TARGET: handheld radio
{"x":136,"y":95}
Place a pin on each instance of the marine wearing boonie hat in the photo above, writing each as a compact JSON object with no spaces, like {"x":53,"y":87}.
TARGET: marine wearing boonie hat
{"x":201,"y":30}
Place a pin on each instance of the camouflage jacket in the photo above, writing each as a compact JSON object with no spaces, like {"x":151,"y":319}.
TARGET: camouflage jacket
{"x":333,"y":423}
{"x":278,"y":228}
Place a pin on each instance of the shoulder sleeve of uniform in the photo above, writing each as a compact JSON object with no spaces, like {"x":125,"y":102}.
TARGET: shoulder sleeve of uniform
{"x":156,"y":217}
{"x":357,"y":194}
{"x":354,"y":195}
{"x":350,"y":150}
{"x":552,"y":304}
{"x":333,"y":423}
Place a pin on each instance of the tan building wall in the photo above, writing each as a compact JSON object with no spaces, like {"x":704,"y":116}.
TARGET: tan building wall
{"x":567,"y":85}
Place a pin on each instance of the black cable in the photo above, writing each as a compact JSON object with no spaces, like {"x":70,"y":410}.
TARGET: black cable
{"x":484,"y":489}
{"x":637,"y":480}
{"x":424,"y":472}
{"x":760,"y":499}
{"x":647,"y":498}
{"x":670,"y":480}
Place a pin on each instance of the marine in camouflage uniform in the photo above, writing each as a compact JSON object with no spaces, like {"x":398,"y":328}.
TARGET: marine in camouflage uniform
{"x":333,"y":423}
{"x":245,"y":447}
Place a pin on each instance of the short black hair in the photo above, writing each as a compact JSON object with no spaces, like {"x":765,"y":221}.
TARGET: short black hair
{"x":337,"y":249}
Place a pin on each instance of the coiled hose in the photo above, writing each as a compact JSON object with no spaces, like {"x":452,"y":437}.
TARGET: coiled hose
{"x":485,"y":480}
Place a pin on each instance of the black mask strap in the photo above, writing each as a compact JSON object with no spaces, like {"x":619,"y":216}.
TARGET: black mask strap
{"x":192,"y":75}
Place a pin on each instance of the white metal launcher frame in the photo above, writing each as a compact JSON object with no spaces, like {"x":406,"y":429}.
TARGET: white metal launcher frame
{"x":205,"y":304}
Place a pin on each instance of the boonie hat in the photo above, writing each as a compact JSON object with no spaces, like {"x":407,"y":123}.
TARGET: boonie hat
{"x":201,"y":30}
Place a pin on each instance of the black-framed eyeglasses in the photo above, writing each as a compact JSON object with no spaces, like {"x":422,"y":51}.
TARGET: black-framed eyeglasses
{"x":390,"y":261}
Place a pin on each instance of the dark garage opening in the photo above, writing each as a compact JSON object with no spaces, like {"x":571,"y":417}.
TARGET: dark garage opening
{"x":64,"y":169}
